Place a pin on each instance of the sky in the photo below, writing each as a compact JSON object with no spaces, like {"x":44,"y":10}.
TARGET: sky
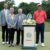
{"x":17,"y":2}
{"x":2,"y":0}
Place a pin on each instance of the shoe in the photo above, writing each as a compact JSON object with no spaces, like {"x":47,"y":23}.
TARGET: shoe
{"x":11,"y":45}
{"x":7,"y":42}
{"x":3,"y":43}
{"x":43,"y":45}
{"x":36,"y":45}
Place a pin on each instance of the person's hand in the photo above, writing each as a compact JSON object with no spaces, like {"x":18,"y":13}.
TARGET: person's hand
{"x":0,"y":24}
{"x":12,"y":26}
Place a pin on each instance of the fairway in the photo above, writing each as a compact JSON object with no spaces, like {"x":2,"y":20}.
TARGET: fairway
{"x":47,"y":41}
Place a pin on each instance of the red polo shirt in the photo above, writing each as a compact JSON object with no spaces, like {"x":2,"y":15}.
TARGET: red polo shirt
{"x":40,"y":16}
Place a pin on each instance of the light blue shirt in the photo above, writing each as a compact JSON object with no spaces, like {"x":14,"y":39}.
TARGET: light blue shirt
{"x":4,"y":17}
{"x":11,"y":21}
{"x":20,"y":18}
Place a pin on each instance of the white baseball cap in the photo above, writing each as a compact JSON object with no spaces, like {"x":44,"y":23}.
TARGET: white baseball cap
{"x":39,"y":5}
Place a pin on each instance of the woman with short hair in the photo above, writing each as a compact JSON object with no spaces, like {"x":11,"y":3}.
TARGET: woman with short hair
{"x":11,"y":25}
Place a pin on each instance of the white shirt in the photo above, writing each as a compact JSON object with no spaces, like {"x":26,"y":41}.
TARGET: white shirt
{"x":6,"y":13}
{"x":12,"y":16}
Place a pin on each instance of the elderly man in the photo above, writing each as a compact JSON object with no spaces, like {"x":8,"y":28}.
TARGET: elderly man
{"x":40,"y":17}
{"x":4,"y":16}
{"x":20,"y":16}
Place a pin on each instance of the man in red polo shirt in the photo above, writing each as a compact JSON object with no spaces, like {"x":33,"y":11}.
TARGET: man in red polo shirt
{"x":40,"y":17}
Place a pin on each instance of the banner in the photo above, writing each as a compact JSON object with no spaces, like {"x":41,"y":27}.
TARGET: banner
{"x":29,"y":33}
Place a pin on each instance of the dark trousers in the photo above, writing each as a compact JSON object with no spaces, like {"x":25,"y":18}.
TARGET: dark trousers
{"x":11,"y":35}
{"x":40,"y":30}
{"x":18,"y":36}
{"x":4,"y":37}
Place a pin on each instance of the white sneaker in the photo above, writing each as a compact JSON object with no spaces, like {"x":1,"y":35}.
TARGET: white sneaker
{"x":3,"y":43}
{"x":36,"y":45}
{"x":42,"y":44}
{"x":7,"y":42}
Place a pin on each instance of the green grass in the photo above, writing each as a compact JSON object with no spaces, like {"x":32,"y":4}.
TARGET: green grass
{"x":47,"y":41}
{"x":6,"y":46}
{"x":47,"y":27}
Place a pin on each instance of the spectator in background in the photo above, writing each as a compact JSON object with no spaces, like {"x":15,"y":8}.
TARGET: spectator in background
{"x":29,"y":15}
{"x":4,"y":16}
{"x":20,"y":16}
{"x":40,"y":17}
{"x":11,"y":22}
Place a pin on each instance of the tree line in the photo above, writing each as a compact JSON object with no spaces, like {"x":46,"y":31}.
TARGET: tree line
{"x":29,"y":7}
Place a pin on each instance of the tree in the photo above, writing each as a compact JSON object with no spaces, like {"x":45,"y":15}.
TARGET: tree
{"x":10,"y":2}
{"x":26,"y":7}
{"x":46,"y":7}
{"x":1,"y":5}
